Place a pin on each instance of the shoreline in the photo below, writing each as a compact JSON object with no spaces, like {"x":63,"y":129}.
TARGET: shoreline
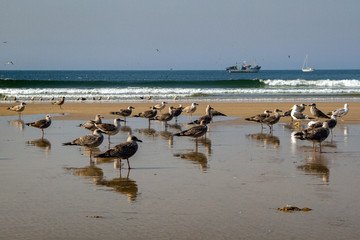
{"x":240,"y":110}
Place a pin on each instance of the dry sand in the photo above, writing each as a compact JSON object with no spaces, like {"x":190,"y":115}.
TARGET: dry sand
{"x":81,"y":111}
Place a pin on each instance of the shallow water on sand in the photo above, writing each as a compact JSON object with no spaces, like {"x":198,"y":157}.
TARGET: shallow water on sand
{"x":229,"y":189}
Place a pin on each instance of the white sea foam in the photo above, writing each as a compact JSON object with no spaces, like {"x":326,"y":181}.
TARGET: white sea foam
{"x":353,"y":83}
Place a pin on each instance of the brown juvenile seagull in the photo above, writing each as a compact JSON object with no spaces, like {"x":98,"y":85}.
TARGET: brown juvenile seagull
{"x":90,"y":125}
{"x":206,"y":118}
{"x":270,"y":121}
{"x":178,"y":111}
{"x":17,"y":108}
{"x":315,"y":135}
{"x":124,"y":112}
{"x":194,"y":132}
{"x":60,"y":102}
{"x":166,"y":117}
{"x":42,"y":124}
{"x":149,"y":114}
{"x":317,"y":112}
{"x":110,"y":129}
{"x":259,"y":117}
{"x":122,"y":151}
{"x":91,"y":141}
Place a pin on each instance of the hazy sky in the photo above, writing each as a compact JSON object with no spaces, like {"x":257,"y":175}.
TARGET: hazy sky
{"x":196,"y":34}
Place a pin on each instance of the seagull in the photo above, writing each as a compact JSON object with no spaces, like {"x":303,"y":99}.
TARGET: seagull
{"x":42,"y":124}
{"x":317,"y":112}
{"x":122,"y":151}
{"x":18,"y":108}
{"x":217,"y":113}
{"x":149,"y":114}
{"x":91,"y":141}
{"x":315,"y":135}
{"x":190,"y":109}
{"x":60,"y":102}
{"x":301,"y":109}
{"x":178,"y":111}
{"x":298,"y":116}
{"x":259,"y":117}
{"x":206,"y":118}
{"x":194,"y":132}
{"x":90,"y":125}
{"x":9,"y":63}
{"x":270,"y":121}
{"x":332,"y":122}
{"x":166,"y":117}
{"x":124,"y":112}
{"x":110,"y":129}
{"x":340,"y":112}
{"x":160,"y":106}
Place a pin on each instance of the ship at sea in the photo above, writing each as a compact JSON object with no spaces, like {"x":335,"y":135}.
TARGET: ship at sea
{"x":245,"y":68}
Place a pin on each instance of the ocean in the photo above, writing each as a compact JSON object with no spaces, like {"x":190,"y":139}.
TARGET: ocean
{"x":188,"y":86}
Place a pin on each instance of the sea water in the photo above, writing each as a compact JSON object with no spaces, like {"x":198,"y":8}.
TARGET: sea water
{"x":216,"y":85}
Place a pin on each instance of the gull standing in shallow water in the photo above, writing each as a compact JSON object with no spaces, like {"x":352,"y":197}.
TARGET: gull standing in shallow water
{"x":91,"y":141}
{"x":206,"y":118}
{"x":90,"y":125}
{"x":149,"y":114}
{"x":259,"y":117}
{"x":41,"y":124}
{"x":110,"y":129}
{"x":177,"y":112}
{"x":124,"y":112}
{"x":270,"y":121}
{"x":166,"y":117}
{"x":194,"y":132}
{"x":122,"y":151}
{"x":315,"y":135}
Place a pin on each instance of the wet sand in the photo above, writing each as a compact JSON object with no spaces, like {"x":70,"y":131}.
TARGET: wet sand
{"x":229,"y":189}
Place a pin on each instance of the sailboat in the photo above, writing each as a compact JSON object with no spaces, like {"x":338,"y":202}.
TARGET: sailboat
{"x":305,"y":67}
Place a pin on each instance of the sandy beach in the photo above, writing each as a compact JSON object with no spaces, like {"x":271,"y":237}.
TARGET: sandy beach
{"x":230,"y":188}
{"x":238,"y":109}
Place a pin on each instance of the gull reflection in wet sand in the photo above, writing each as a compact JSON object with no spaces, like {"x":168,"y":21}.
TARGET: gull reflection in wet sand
{"x":195,"y":158}
{"x":316,"y":165}
{"x":147,"y":131}
{"x":41,"y":143}
{"x":206,"y":142}
{"x":123,"y":185}
{"x":266,"y":138}
{"x":90,"y":151}
{"x":168,"y":136}
{"x":91,"y":171}
{"x":17,"y":123}
{"x":126,"y":129}
{"x":175,"y":126}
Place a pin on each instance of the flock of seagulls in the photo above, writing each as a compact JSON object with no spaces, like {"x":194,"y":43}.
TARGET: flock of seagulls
{"x":127,"y":149}
{"x":317,"y":130}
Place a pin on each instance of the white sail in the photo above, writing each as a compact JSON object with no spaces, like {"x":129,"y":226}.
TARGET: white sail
{"x":305,"y":67}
